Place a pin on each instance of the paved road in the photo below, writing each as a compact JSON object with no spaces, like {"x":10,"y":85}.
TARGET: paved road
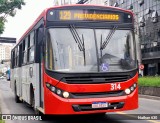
{"x":147,"y":106}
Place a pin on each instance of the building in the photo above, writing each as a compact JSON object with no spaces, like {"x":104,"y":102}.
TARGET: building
{"x":6,"y":44}
{"x":5,"y":54}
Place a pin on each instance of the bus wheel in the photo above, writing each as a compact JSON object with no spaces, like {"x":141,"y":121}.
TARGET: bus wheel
{"x":17,"y":100}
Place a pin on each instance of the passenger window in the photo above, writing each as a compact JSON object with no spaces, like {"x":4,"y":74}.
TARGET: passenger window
{"x":31,"y":49}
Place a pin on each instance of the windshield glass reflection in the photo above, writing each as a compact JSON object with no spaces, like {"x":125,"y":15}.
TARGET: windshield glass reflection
{"x":90,"y":50}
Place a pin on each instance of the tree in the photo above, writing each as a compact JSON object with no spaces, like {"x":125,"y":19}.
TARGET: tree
{"x":8,"y":7}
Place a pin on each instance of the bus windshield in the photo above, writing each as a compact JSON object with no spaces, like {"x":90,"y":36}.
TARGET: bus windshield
{"x":90,"y":50}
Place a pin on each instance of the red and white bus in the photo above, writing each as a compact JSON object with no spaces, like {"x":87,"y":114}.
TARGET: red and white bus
{"x":77,"y":59}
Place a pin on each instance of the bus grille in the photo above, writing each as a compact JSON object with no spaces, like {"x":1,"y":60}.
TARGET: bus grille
{"x":95,"y":79}
{"x":97,"y":94}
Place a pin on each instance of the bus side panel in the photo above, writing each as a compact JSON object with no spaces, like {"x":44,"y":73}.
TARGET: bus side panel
{"x":24,"y":82}
{"x":19,"y":71}
{"x":33,"y":79}
{"x":16,"y":80}
{"x":30,"y":80}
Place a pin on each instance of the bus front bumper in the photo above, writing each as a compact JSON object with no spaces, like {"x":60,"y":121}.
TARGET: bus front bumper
{"x":61,"y":106}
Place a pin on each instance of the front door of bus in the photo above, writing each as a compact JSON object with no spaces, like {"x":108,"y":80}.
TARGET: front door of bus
{"x":39,"y":54}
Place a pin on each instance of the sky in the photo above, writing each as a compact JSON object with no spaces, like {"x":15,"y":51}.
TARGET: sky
{"x":16,"y":26}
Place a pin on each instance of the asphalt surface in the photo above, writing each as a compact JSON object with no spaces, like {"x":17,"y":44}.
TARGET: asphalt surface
{"x":148,"y":108}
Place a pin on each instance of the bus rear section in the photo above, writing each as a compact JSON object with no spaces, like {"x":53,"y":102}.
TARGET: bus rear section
{"x":90,"y":61}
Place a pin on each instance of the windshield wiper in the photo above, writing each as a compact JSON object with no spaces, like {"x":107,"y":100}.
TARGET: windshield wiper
{"x":78,"y":40}
{"x":105,"y":43}
{"x":109,"y":36}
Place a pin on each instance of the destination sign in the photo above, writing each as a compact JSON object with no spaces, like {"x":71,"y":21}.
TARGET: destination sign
{"x":88,"y":15}
{"x":84,"y":15}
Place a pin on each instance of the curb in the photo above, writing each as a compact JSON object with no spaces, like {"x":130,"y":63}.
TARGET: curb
{"x":149,"y":97}
{"x":151,"y":91}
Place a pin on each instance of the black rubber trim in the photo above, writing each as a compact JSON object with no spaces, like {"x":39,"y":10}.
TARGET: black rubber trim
{"x":97,"y":94}
{"x":96,"y":78}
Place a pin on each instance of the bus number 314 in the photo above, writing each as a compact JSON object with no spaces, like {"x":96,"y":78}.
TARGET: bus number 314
{"x":115,"y":86}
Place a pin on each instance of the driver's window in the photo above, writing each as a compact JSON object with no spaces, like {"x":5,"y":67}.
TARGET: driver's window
{"x":49,"y":53}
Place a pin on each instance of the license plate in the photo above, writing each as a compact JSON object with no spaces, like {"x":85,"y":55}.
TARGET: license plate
{"x":99,"y":104}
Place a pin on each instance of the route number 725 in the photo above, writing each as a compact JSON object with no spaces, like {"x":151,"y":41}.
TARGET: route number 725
{"x":115,"y":86}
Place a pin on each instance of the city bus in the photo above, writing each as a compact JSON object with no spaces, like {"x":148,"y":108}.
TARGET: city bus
{"x":77,"y":59}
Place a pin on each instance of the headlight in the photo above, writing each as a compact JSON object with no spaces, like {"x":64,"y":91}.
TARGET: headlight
{"x":132,"y":88}
{"x":127,"y":91}
{"x":48,"y":85}
{"x":135,"y":85}
{"x":65,"y":94}
{"x":57,"y":91}
{"x":53,"y":89}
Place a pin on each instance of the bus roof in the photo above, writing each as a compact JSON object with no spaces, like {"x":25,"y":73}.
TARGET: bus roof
{"x":43,"y":14}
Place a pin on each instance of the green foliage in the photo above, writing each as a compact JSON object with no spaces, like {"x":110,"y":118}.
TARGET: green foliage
{"x":2,"y":121}
{"x":149,"y":81}
{"x":8,"y":7}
